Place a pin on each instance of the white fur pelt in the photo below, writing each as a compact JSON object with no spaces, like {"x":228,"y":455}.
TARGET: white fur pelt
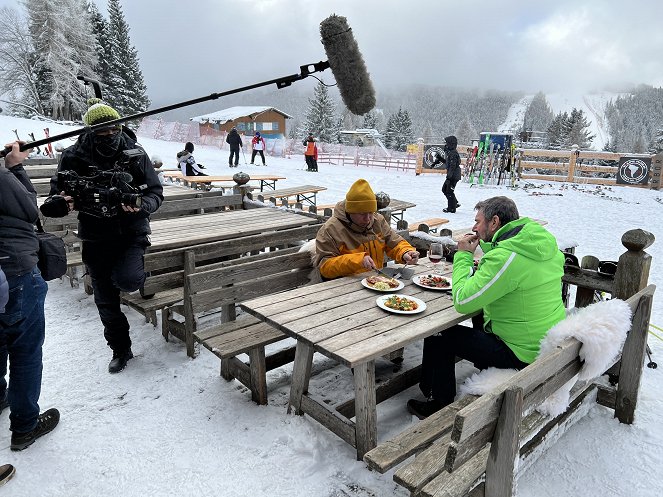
{"x":602,"y":329}
{"x":314,"y":275}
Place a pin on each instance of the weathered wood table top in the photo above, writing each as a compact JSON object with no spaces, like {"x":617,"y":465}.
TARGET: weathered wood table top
{"x":204,"y":228}
{"x":340,"y":319}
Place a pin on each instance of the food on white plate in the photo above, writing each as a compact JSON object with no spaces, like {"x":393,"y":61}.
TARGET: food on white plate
{"x":401,"y":303}
{"x":379,"y":282}
{"x":435,"y":281}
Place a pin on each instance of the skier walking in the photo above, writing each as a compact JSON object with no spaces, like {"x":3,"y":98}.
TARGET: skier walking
{"x":452,"y":164}
{"x":235,"y":141}
{"x":258,"y":145}
{"x":311,"y":153}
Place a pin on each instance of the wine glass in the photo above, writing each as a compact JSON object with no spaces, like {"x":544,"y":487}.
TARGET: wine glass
{"x":435,"y":254}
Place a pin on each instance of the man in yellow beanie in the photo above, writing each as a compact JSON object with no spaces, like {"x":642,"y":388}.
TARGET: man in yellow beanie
{"x":113,"y":246}
{"x":356,"y":237}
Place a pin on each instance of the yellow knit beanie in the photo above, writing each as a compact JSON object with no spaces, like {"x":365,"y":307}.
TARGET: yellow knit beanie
{"x":99,"y":112}
{"x":360,"y":198}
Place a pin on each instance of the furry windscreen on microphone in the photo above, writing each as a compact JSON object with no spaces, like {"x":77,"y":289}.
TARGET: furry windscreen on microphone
{"x":347,"y":64}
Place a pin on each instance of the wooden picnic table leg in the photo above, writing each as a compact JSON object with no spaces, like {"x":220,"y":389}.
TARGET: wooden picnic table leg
{"x":366,"y":432}
{"x":301,"y":373}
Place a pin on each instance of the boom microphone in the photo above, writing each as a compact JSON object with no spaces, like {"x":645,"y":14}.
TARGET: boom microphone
{"x":347,"y":65}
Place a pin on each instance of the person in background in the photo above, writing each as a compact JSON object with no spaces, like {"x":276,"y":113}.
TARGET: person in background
{"x":187,"y":163}
{"x":157,"y":163}
{"x":258,"y":147}
{"x":22,"y":321}
{"x":355,"y":239}
{"x":517,"y":285}
{"x":311,"y":153}
{"x":452,"y":164}
{"x":112,"y":247}
{"x":235,"y":141}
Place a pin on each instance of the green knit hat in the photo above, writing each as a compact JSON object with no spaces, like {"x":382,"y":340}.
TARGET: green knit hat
{"x":99,"y":112}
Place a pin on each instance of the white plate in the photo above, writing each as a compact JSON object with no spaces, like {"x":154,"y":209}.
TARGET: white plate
{"x":381,"y":300}
{"x":400,"y":285}
{"x":417,"y":281}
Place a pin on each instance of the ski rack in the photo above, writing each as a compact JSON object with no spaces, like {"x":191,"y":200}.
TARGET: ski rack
{"x":283,"y":82}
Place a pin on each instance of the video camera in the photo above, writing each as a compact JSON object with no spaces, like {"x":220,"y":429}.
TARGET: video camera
{"x":103,"y":192}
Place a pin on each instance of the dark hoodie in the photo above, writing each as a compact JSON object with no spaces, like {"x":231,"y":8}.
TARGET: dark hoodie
{"x":81,"y":157}
{"x":234,"y":140}
{"x":452,"y":160}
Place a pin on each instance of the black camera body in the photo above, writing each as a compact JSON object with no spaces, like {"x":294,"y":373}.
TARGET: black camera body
{"x":103,"y":192}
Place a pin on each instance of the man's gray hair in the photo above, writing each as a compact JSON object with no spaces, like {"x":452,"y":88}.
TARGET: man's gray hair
{"x":502,"y":207}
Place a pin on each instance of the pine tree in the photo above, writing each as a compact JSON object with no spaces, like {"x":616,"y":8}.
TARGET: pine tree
{"x":126,"y":90}
{"x":320,"y":116}
{"x":538,"y":115}
{"x":370,"y":120}
{"x":466,"y":132}
{"x":399,"y":131}
{"x":656,"y":145}
{"x":578,"y":130}
{"x":557,"y":131}
{"x":102,"y":46}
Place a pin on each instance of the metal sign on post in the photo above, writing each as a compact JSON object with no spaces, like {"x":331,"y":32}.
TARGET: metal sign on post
{"x":633,"y":170}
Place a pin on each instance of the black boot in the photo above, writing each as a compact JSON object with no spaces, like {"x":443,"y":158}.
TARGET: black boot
{"x":45,"y":424}
{"x":424,"y":408}
{"x":119,"y":361}
{"x":449,"y":210}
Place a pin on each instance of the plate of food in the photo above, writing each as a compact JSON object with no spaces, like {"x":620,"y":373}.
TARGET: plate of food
{"x":382,"y":283}
{"x":432,"y":281}
{"x":401,"y":304}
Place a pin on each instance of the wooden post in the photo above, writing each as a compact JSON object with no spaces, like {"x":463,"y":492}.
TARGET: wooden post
{"x":633,"y":353}
{"x":501,"y":464}
{"x":633,"y":268}
{"x":585,"y":296}
{"x":572,"y":162}
{"x":189,"y":323}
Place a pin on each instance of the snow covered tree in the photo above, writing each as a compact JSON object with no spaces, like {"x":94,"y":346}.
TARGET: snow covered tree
{"x":578,"y":130}
{"x":320,"y":116}
{"x":102,"y":46}
{"x":399,"y":131}
{"x":18,"y":83}
{"x":427,"y":135}
{"x":370,"y":120}
{"x":557,"y":131}
{"x":466,"y":132}
{"x":656,"y":145}
{"x":538,"y":115}
{"x":63,"y":49}
{"x":126,"y":90}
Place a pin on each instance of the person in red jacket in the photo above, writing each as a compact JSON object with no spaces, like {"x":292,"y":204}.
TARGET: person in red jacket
{"x":258,"y":145}
{"x":311,"y":153}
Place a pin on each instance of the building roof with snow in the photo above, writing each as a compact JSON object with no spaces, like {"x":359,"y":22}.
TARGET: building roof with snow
{"x":233,"y":113}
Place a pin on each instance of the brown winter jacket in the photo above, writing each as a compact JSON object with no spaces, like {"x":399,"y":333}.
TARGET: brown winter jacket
{"x":341,"y":246}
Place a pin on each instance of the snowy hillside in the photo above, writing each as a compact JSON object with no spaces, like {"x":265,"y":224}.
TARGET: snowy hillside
{"x":592,"y":105}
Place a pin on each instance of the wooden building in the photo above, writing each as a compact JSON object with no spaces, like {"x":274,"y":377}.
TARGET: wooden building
{"x":270,"y":121}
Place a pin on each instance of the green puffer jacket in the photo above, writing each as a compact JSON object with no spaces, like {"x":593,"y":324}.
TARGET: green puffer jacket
{"x":517,"y":284}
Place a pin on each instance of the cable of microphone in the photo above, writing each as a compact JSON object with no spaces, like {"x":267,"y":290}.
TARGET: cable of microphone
{"x":347,"y":65}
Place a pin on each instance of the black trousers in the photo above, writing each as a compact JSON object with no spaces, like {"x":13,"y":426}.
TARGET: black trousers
{"x":438,"y":370}
{"x":115,"y":266}
{"x":448,"y":189}
{"x":254,"y":153}
{"x":311,"y":163}
{"x":233,"y":152}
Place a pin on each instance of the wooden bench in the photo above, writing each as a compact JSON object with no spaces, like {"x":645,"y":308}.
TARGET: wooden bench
{"x":428,"y":225}
{"x":208,"y":313}
{"x":301,"y":194}
{"x":469,"y":448}
{"x":166,"y":269}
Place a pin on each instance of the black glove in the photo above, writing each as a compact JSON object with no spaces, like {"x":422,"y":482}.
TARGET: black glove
{"x":55,"y":206}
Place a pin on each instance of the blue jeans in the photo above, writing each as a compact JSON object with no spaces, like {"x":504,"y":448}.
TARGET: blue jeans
{"x":22,"y":329}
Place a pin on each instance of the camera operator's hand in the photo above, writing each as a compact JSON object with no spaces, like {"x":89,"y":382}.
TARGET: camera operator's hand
{"x":69,"y":200}
{"x":15,"y":157}
{"x":128,"y":208}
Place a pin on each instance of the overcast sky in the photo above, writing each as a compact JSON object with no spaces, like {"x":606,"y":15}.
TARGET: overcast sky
{"x":191,"y":48}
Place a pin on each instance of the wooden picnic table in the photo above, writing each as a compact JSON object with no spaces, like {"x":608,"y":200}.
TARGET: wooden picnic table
{"x":396,"y":209}
{"x":305,"y":193}
{"x":204,"y":228}
{"x":266,"y":180}
{"x":341,"y":320}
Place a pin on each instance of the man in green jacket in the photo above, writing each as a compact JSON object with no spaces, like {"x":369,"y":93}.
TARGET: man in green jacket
{"x":517,"y":285}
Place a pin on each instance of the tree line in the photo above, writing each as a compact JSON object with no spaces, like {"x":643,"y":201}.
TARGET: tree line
{"x":47,"y":45}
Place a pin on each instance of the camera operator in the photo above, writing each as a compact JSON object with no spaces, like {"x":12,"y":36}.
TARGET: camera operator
{"x":113,"y":246}
{"x":22,"y":323}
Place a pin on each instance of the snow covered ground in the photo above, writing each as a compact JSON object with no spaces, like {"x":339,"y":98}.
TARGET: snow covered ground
{"x":170,"y":426}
